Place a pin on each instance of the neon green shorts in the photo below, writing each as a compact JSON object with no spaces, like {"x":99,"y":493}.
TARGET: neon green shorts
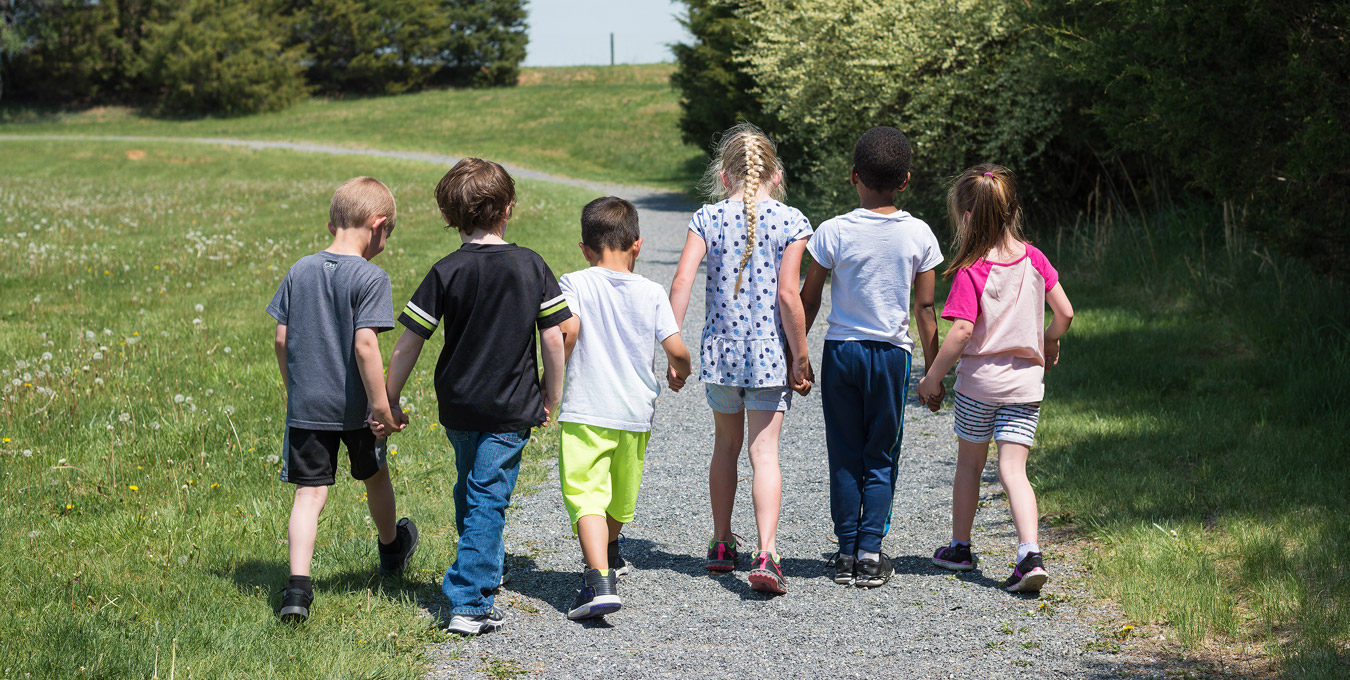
{"x":600,"y":469}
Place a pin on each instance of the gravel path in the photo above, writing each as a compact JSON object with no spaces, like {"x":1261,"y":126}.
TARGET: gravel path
{"x":678,"y":621}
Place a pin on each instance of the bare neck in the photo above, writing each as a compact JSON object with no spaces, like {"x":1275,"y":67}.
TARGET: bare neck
{"x":350,"y":242}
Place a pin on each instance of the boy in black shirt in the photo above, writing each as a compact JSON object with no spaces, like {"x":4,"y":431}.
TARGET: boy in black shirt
{"x":491,"y":296}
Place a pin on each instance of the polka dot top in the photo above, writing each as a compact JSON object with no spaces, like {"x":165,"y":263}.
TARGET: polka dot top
{"x":742,"y":343}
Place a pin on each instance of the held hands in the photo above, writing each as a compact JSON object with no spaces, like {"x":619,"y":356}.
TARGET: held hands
{"x":384,"y":422}
{"x":932,"y":392}
{"x":801,"y":375}
{"x":1051,"y":353}
{"x":673,"y":379}
{"x":548,"y":413}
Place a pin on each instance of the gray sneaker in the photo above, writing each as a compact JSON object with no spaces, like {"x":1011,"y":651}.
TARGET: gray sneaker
{"x":476,"y":624}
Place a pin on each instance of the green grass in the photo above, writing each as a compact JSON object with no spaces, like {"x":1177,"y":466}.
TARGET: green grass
{"x":614,"y":124}
{"x":143,"y":523}
{"x":1197,"y":427}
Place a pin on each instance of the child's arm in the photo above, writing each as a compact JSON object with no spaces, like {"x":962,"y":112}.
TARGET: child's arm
{"x":401,"y":362}
{"x":677,"y":356}
{"x":1059,"y":304}
{"x":371,"y":366}
{"x":930,"y":388}
{"x":280,"y":346}
{"x":794,"y":317}
{"x":925,"y":321}
{"x":812,"y":290}
{"x":694,"y":250}
{"x":554,"y":355}
{"x":570,"y":330}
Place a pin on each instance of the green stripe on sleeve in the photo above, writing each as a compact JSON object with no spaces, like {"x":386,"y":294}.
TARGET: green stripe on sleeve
{"x":418,"y":318}
{"x":553,"y":310}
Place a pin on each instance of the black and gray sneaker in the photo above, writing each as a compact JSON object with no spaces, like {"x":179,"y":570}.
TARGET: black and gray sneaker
{"x":842,"y":567}
{"x":955,"y":557}
{"x":617,"y":565}
{"x":599,"y":595}
{"x":872,"y":573}
{"x":1028,"y":576}
{"x":295,"y":605}
{"x":392,"y":563}
{"x":476,"y":624}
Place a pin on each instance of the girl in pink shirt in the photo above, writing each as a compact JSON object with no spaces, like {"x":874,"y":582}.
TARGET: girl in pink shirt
{"x":997,"y":306}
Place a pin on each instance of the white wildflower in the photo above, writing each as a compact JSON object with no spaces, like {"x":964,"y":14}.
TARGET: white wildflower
{"x":178,"y":398}
{"x":199,"y":307}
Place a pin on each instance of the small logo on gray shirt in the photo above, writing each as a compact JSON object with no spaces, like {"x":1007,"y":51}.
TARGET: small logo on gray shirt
{"x":330,"y":265}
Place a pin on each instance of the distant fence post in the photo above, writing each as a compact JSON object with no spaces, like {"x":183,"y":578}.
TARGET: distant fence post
{"x":611,"y":49}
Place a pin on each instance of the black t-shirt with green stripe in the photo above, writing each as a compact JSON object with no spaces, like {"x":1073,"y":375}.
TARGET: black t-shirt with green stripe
{"x":490,"y":298}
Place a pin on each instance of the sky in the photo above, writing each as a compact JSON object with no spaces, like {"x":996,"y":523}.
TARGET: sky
{"x":576,"y":32}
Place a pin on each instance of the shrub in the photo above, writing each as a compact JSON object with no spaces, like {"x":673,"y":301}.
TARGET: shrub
{"x":370,"y":46}
{"x":715,"y":89}
{"x":222,"y":56}
{"x":485,"y":44}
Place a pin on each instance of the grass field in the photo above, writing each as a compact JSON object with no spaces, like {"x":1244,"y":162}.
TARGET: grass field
{"x":614,"y":124}
{"x":141,"y":414}
{"x":1197,"y":429}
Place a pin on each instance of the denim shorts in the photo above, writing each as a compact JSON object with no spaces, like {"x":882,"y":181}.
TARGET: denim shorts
{"x":732,"y":399}
{"x":978,"y":421}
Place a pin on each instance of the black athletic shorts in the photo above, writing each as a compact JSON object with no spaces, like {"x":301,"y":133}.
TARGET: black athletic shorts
{"x":310,"y":456}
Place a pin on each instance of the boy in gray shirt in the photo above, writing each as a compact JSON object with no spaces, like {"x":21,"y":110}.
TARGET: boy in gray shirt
{"x":328,"y":310}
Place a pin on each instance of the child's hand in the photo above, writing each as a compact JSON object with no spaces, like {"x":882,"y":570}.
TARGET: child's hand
{"x":931,"y":392}
{"x":548,"y":414}
{"x":1051,"y":353}
{"x":673,"y":379}
{"x":383,"y":423}
{"x":400,"y":418}
{"x":801,"y":376}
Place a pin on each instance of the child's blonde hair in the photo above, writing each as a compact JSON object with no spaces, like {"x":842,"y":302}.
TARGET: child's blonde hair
{"x":743,"y":159}
{"x":359,"y":199}
{"x":983,"y":208}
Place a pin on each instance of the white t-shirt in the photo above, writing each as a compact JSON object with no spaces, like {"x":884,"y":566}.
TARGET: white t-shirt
{"x":873,"y":260}
{"x":610,"y":376}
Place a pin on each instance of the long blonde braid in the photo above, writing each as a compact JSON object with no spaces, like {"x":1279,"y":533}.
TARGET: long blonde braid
{"x":754,"y":167}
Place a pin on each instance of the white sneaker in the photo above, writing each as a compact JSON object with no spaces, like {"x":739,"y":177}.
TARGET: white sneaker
{"x":471,"y":624}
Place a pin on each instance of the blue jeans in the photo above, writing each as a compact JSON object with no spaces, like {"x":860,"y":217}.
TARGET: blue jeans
{"x":487,"y":463}
{"x":863,"y":388}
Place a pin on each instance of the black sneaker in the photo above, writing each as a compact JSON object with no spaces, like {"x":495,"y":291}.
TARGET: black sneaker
{"x":599,"y":595}
{"x":392,"y":563}
{"x":841,"y":567}
{"x":476,"y":624}
{"x":295,"y":605}
{"x":872,"y":573}
{"x":617,"y":565}
{"x":956,"y":558}
{"x":1028,"y":576}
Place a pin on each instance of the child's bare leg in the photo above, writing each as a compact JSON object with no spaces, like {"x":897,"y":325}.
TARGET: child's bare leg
{"x":970,"y":460}
{"x":593,"y":532}
{"x":767,"y":486}
{"x":727,"y":442}
{"x":1012,"y":471}
{"x":380,"y":501}
{"x":304,"y":526}
{"x":615,"y":526}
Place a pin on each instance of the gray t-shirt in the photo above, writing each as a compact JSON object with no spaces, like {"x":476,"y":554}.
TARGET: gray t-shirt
{"x":323,"y":300}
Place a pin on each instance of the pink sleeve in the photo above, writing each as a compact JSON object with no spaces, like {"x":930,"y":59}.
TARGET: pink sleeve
{"x":1043,"y":266}
{"x":963,"y":301}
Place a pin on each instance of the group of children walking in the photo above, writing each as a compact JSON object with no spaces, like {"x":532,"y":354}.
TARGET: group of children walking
{"x":501,"y":307}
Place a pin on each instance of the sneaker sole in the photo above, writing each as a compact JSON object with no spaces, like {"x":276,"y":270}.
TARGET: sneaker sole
{"x":622,"y":571}
{"x":720,"y":566}
{"x":954,"y":566}
{"x":600,"y":606}
{"x":844,"y":580}
{"x":767,"y":583}
{"x":478,"y":629}
{"x":1030,"y":583}
{"x":872,"y":582}
{"x":294,"y":614}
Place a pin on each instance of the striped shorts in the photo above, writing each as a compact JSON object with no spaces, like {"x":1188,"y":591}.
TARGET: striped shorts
{"x":977,"y":421}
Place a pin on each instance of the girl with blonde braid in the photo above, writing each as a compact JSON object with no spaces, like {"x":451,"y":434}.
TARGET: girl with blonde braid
{"x":753,"y":349}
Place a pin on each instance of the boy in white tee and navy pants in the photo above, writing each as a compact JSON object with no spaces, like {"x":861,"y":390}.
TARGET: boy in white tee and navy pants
{"x":610,"y":393}
{"x":879,"y":256}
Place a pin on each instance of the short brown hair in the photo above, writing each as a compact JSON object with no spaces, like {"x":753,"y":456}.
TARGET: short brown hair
{"x":609,"y":223}
{"x":475,"y":195}
{"x":359,"y":199}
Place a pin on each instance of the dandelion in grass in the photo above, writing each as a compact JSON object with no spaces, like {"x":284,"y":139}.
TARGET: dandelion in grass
{"x":61,"y":462}
{"x":215,"y":485}
{"x":199,"y":307}
{"x":133,"y":487}
{"x":178,"y":398}
{"x":124,"y":418}
{"x":27,"y":453}
{"x":34,"y":533}
{"x":98,"y":381}
{"x":228,"y":350}
{"x":46,"y":356}
{"x":272,"y":459}
{"x":229,"y":410}
{"x":98,"y":355}
{"x":197,"y":322}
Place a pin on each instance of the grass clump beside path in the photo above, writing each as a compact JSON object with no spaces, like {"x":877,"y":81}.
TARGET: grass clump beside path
{"x":1198,"y":427}
{"x":613,"y":124}
{"x":142,"y":413}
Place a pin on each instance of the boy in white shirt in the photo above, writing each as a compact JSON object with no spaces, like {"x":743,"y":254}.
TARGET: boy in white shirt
{"x":610,"y":392}
{"x":879,"y":257}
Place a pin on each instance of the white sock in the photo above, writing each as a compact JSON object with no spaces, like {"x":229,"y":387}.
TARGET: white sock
{"x":956,"y":543}
{"x":1024,"y":548}
{"x":866,"y":555}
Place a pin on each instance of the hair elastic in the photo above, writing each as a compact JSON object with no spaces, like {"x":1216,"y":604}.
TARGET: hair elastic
{"x":988,"y":174}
